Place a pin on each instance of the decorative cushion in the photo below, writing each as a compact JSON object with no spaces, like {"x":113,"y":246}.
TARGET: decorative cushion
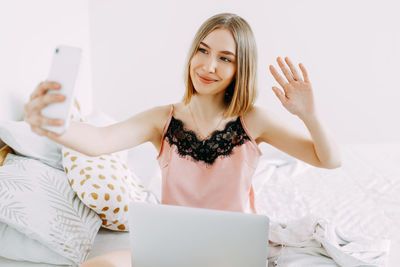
{"x":105,"y":184}
{"x":42,"y":215}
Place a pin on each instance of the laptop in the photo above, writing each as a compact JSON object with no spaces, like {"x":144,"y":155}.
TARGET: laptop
{"x":176,"y":236}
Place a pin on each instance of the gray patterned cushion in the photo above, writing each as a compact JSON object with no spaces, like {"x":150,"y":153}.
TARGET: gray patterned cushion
{"x":37,"y":203}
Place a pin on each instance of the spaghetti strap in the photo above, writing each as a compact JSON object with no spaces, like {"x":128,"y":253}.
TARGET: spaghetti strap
{"x":166,"y":128}
{"x":168,"y":121}
{"x":248,"y":134}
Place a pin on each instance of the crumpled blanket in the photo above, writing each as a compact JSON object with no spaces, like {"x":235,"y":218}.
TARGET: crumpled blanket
{"x":312,"y":241}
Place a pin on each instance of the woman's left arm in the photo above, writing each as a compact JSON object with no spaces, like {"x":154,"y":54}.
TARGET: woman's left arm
{"x":297,"y":98}
{"x":325,"y":146}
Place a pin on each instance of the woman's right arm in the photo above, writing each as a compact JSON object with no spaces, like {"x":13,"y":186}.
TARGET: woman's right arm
{"x":89,"y":139}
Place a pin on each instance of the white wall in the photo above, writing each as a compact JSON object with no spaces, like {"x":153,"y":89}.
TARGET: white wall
{"x":29,"y":32}
{"x":350,"y":48}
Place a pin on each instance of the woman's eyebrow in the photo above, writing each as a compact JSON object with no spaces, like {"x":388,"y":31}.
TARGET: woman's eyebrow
{"x":223,"y":52}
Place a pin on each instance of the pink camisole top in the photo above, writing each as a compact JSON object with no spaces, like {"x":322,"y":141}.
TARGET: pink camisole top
{"x":215,"y":173}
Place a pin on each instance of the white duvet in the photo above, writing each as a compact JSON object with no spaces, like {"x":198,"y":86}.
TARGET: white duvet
{"x":312,"y":241}
{"x":352,"y":211}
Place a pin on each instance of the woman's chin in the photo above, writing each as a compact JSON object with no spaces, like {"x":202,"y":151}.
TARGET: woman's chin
{"x":208,"y":91}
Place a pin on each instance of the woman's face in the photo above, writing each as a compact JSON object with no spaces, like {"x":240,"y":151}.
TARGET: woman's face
{"x":213,"y":66}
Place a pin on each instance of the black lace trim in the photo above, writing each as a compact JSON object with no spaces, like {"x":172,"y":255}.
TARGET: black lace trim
{"x":221,"y":142}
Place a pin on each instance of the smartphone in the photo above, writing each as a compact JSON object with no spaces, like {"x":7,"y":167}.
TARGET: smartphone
{"x":64,"y":70}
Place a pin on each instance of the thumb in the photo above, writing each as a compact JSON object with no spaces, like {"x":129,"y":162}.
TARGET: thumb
{"x":279,"y":93}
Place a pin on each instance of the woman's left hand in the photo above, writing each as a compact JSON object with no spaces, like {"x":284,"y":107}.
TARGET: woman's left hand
{"x":297,"y":96}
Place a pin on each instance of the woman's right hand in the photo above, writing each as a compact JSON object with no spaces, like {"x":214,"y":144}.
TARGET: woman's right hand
{"x":38,"y":100}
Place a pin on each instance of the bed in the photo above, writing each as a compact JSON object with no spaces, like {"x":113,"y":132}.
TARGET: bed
{"x":362,"y":197}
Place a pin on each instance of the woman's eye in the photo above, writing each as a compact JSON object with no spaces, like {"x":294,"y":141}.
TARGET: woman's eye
{"x":202,"y":50}
{"x":225,"y":59}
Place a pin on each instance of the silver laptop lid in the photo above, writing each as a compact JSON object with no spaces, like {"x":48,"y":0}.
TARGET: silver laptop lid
{"x":164,"y":235}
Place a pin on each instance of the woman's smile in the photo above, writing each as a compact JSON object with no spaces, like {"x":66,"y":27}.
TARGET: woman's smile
{"x":206,"y":79}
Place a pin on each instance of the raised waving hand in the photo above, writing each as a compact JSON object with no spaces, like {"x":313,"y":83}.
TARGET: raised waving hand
{"x":297,"y":95}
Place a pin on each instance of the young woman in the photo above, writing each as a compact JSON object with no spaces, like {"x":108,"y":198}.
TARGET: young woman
{"x":214,"y":133}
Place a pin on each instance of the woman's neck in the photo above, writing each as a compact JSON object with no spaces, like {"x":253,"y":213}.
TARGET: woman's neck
{"x":208,"y":107}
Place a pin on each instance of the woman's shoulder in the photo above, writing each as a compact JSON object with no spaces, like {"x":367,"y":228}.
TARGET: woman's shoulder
{"x":160,"y":115}
{"x":162,"y":111}
{"x":257,"y":120}
{"x":165,"y":110}
{"x":256,"y":114}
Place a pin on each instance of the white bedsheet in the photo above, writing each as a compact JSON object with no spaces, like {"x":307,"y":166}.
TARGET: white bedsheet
{"x":311,"y":235}
{"x":362,"y":198}
{"x":108,"y":240}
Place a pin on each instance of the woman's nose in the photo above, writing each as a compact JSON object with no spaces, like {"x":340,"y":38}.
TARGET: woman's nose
{"x":210,"y":65}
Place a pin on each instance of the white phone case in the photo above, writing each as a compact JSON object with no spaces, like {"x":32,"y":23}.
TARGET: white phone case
{"x":64,"y":70}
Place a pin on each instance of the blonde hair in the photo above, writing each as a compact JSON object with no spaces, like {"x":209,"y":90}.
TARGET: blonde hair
{"x":242,"y":92}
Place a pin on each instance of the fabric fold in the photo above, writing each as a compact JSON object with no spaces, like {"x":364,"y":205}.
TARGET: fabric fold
{"x":310,"y":240}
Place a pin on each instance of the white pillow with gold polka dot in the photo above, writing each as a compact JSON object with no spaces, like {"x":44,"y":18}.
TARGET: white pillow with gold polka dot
{"x":105,"y":184}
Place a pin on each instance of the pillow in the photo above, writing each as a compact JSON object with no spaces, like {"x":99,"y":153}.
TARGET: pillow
{"x":20,"y":247}
{"x":38,"y":206}
{"x":18,"y":135}
{"x":3,"y":153}
{"x":105,"y":184}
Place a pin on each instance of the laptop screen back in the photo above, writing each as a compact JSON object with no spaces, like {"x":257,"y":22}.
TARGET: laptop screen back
{"x":164,"y":235}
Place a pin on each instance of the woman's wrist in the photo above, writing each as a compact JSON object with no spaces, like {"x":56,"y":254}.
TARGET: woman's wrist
{"x":309,"y":118}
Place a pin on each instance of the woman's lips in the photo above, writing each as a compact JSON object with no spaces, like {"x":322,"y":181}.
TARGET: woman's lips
{"x":205,"y":80}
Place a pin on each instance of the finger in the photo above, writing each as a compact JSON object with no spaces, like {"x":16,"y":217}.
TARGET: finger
{"x":304,"y":71}
{"x":277,"y":76}
{"x":52,"y":134}
{"x":285,"y":70}
{"x":43,"y":87}
{"x":293,"y":69}
{"x":33,"y":108}
{"x":40,"y":102}
{"x":43,"y":132}
{"x":52,"y":98}
{"x":279,"y":94}
{"x":38,"y":130}
{"x":39,"y":120}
